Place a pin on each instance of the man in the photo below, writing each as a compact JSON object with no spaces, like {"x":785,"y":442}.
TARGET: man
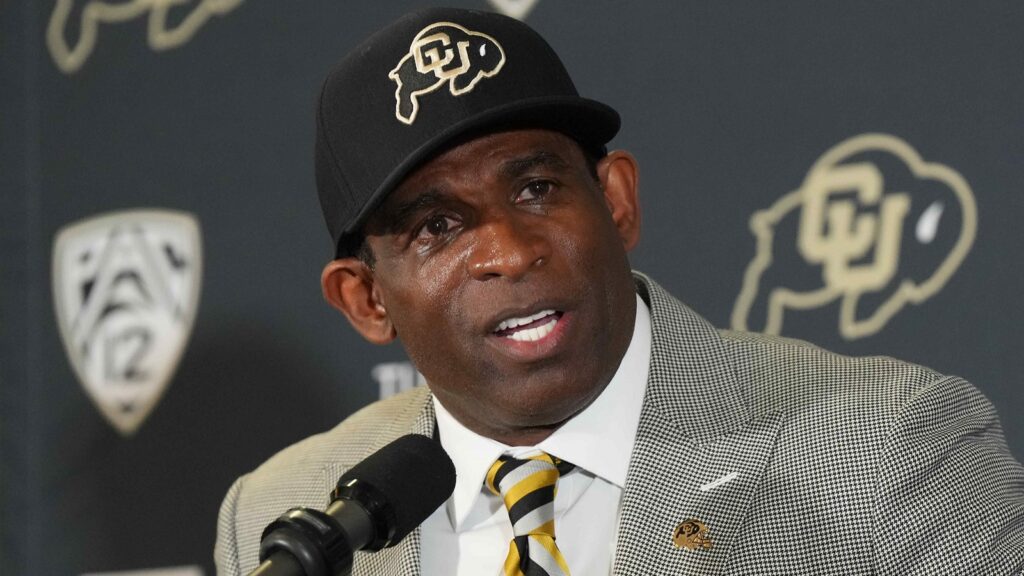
{"x":479,"y":220}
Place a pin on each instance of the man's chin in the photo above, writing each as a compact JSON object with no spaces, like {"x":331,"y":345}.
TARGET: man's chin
{"x":549,"y":415}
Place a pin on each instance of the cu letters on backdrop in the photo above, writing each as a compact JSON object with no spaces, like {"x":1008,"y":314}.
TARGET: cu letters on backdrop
{"x":873,"y":226}
{"x":163,"y":31}
{"x":126,"y":290}
{"x":441,"y":53}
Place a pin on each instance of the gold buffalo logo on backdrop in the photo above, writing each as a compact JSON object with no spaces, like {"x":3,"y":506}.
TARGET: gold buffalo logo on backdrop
{"x":161,"y":34}
{"x":874,"y":227}
{"x":126,"y":290}
{"x":441,"y":53}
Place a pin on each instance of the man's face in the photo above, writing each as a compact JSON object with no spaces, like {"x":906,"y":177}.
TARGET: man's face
{"x":504,"y":274}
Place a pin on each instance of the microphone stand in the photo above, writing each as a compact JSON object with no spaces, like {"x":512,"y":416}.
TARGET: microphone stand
{"x":363,"y":514}
{"x":304,"y":542}
{"x":308,"y":542}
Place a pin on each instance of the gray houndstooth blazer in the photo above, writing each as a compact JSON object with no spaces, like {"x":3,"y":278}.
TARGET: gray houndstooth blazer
{"x":843,"y":465}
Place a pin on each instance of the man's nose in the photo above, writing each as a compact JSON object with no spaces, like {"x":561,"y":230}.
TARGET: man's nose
{"x":507,"y":248}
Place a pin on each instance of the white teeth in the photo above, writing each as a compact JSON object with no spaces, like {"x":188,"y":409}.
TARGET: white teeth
{"x":534,"y":334}
{"x":513,"y":322}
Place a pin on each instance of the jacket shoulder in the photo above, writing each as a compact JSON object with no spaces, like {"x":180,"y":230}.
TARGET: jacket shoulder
{"x":840,"y":397}
{"x":353,"y":439}
{"x":877,"y":392}
{"x":776,"y":372}
{"x":304,"y":473}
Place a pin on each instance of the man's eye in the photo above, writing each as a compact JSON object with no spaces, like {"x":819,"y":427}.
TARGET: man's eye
{"x":436,"y":226}
{"x":535,"y":190}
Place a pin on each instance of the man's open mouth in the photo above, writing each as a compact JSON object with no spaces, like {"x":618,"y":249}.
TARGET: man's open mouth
{"x":529,"y":328}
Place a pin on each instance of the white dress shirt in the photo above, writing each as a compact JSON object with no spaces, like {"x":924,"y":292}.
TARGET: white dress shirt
{"x":470,"y":534}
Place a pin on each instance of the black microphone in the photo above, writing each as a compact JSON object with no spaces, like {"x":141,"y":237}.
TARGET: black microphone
{"x":376,"y":504}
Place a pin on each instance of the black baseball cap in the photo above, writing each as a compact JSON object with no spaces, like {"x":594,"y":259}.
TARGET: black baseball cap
{"x":419,"y":85}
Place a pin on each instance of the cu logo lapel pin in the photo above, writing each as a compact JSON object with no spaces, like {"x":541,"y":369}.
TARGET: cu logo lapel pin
{"x":691,"y":534}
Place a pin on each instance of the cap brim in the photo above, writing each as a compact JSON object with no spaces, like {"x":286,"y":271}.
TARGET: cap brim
{"x":587,"y":121}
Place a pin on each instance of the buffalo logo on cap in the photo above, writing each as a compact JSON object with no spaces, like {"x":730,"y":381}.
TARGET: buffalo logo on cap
{"x":443,"y":52}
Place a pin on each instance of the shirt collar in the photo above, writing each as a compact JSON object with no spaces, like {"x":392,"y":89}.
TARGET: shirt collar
{"x":599,"y":439}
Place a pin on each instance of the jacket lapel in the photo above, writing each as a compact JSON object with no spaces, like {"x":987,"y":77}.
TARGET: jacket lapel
{"x":699,"y":455}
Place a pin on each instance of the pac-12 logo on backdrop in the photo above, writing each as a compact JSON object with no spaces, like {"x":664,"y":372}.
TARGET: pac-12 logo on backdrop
{"x":126,"y":290}
{"x":163,"y":30}
{"x":443,"y":53}
{"x":873,"y":226}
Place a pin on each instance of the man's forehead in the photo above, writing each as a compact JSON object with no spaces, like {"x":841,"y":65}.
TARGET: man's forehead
{"x":508,"y":153}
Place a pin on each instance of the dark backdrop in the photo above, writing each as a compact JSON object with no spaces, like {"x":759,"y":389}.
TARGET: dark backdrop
{"x":727,"y":105}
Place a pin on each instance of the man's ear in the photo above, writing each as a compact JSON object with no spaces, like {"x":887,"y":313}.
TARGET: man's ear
{"x":618,"y":173}
{"x":349,"y":286}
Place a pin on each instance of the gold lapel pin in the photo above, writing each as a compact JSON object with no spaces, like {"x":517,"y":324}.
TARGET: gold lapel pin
{"x":692,"y":534}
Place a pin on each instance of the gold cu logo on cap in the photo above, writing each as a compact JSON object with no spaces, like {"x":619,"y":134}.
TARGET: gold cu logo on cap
{"x":441,"y":53}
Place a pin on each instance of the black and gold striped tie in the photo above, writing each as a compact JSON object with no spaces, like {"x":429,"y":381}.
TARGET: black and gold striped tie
{"x":528,"y":489}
